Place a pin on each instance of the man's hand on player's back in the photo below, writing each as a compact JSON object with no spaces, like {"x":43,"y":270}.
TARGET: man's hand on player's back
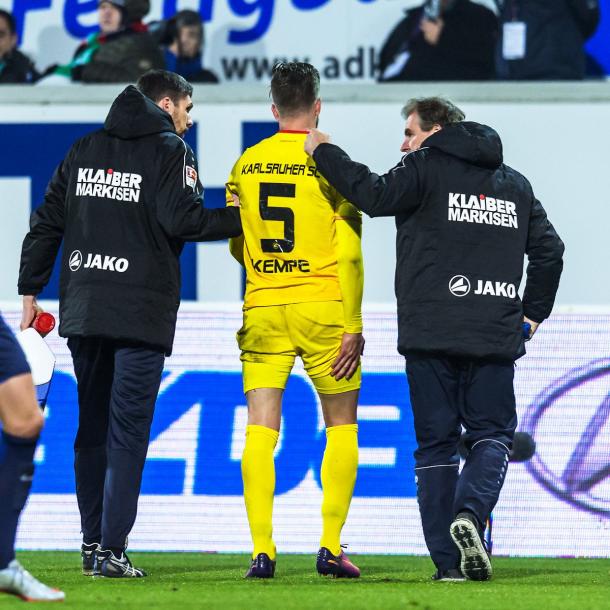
{"x":346,"y":364}
{"x":313,"y":139}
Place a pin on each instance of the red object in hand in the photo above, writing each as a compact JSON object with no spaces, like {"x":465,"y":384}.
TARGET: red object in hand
{"x":44,"y":323}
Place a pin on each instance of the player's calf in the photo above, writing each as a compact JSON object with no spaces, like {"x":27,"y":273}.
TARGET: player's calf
{"x":16,"y":473}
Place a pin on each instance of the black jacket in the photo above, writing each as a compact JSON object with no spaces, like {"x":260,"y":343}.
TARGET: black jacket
{"x":17,"y":68}
{"x":465,"y":49}
{"x":448,"y":248}
{"x":556,"y":31}
{"x":121,"y":58}
{"x":124,"y":200}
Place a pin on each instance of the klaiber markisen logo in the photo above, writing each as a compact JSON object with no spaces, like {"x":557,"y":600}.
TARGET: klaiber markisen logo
{"x":75,"y":260}
{"x":459,"y":285}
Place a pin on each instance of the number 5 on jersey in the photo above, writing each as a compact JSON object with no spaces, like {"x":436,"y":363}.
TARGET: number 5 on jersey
{"x":281,"y":214}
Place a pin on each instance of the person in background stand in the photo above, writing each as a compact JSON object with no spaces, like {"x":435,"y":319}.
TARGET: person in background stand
{"x":120,"y":52}
{"x":183,"y":54}
{"x":441,"y":40}
{"x":15,"y":67}
{"x":544,"y":40}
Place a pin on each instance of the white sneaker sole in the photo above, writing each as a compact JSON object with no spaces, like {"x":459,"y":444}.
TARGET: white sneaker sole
{"x":25,"y":598}
{"x":475,"y":563}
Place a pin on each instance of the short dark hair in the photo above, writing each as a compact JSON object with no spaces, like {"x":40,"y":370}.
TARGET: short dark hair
{"x":157,"y":84}
{"x":433,"y":111}
{"x":187,"y":17}
{"x":10,"y":20}
{"x":295,"y":87}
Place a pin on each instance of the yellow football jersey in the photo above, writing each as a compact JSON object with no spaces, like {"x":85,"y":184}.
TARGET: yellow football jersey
{"x":288,"y":214}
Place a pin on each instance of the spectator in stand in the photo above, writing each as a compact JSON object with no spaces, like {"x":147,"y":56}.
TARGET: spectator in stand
{"x":120,"y":52}
{"x":441,"y":40}
{"x":15,"y":67}
{"x":184,"y":51}
{"x":544,"y":39}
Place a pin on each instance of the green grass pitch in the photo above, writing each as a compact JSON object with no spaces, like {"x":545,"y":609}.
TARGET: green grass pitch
{"x":208,"y":581}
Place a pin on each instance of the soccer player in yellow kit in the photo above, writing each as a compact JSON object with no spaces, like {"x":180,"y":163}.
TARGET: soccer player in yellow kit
{"x":304,"y":278}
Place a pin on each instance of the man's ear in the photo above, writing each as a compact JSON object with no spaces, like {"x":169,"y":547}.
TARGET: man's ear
{"x":165,"y":104}
{"x":275,"y":112}
{"x":436,"y":127}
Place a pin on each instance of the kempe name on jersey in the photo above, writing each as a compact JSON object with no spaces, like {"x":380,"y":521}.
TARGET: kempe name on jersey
{"x":275,"y":265}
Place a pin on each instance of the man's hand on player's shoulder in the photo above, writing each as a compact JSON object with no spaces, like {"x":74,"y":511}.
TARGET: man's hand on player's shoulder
{"x":346,"y":364}
{"x":314,"y":139}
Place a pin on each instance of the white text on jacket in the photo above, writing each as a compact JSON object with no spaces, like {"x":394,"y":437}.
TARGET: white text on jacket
{"x":108,"y":184}
{"x":482,"y":210}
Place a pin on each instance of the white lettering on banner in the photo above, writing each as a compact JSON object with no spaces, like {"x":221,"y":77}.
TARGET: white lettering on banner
{"x":108,"y":184}
{"x":352,"y":31}
{"x":482,"y":210}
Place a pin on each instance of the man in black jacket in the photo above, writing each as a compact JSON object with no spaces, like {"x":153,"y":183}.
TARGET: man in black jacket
{"x":441,"y":40}
{"x":15,"y":67}
{"x":544,"y":39}
{"x":124,"y":201}
{"x":464,"y":223}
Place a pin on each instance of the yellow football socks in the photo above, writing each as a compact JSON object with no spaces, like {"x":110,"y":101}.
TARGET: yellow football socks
{"x":258,"y":472}
{"x":338,"y":474}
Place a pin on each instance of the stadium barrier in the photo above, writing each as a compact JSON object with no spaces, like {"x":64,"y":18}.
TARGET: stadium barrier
{"x":191,"y":495}
{"x":555,"y":133}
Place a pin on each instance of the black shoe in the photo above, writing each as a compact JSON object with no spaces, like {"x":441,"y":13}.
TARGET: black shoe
{"x":452,"y":575}
{"x":88,"y":552}
{"x":261,"y":567}
{"x":111,"y":566}
{"x":337,"y":566}
{"x":475,"y":563}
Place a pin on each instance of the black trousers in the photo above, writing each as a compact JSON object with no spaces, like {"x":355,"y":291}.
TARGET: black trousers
{"x":118,"y":384}
{"x":446,"y":394}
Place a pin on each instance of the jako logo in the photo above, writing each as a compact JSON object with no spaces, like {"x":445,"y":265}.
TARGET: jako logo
{"x":496,"y":289}
{"x":459,"y":286}
{"x":75,"y":261}
{"x":98,"y":261}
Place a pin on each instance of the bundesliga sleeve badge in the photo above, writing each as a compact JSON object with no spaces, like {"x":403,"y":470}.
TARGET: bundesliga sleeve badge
{"x":190,"y":176}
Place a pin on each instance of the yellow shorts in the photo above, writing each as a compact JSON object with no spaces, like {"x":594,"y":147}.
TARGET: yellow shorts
{"x":273,"y":336}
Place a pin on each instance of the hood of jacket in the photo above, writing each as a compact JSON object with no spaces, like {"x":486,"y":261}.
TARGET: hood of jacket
{"x":472,"y":142}
{"x":133,"y":115}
